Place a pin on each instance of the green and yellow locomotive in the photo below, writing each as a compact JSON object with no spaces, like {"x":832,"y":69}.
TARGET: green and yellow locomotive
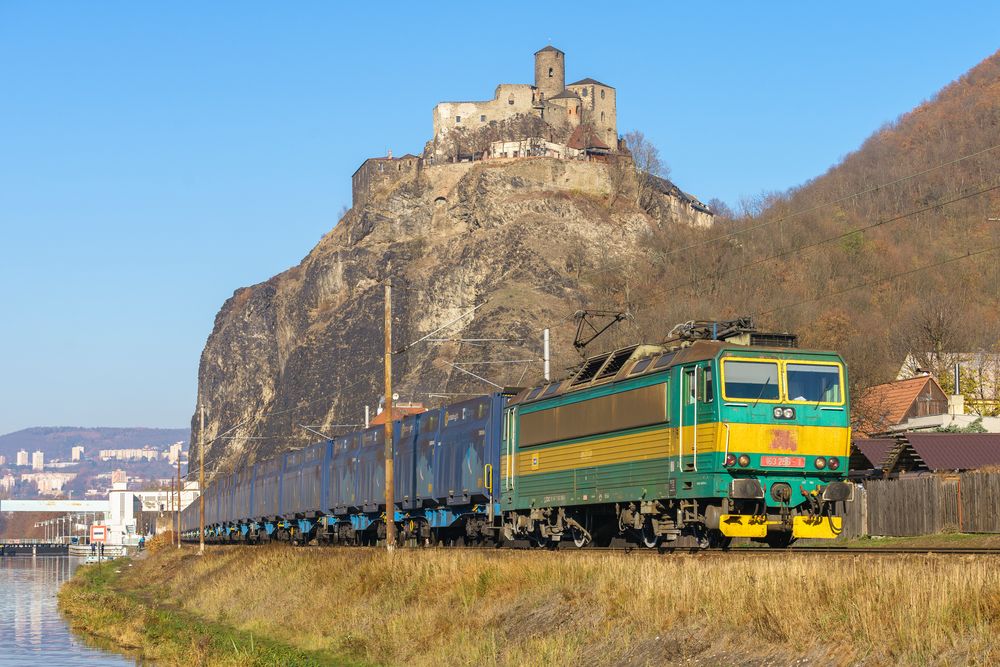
{"x":687,"y":444}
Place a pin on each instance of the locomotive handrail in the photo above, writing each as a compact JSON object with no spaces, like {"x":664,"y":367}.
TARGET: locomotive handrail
{"x":694,"y":413}
{"x":726,"y":455}
{"x":680,"y":424}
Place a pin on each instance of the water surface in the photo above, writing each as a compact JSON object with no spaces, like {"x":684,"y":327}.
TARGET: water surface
{"x":32,"y":632}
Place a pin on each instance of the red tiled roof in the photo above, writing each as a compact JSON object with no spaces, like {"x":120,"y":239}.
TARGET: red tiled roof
{"x":956,"y":451}
{"x":876,"y":450}
{"x":585,"y":137}
{"x":398,"y":413}
{"x":887,"y":404}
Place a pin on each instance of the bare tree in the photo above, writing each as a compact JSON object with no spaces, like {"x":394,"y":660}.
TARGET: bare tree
{"x":647,"y":167}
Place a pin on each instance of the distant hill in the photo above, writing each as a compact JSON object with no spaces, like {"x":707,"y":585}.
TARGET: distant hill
{"x":58,"y":441}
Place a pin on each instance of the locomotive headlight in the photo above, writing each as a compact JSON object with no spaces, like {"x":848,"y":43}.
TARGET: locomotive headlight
{"x":788,"y":413}
{"x":730,"y":460}
{"x":833,"y":462}
{"x":777,"y":413}
{"x":744,"y":460}
{"x":820,"y":463}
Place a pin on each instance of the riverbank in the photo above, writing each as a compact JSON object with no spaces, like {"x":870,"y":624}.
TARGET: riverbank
{"x":431,"y":607}
{"x":116,"y":608}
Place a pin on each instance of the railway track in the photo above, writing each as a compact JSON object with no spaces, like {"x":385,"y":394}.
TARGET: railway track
{"x":568,"y":547}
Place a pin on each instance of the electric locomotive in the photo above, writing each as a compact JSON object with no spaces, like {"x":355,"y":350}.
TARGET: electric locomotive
{"x":686,"y":444}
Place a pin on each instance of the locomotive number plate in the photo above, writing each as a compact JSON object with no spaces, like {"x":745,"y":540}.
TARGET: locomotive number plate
{"x":783,"y":461}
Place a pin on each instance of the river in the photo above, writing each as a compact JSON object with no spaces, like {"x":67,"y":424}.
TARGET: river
{"x":32,"y":632}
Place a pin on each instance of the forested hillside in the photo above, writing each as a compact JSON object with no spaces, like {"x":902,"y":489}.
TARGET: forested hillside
{"x":841,"y":259}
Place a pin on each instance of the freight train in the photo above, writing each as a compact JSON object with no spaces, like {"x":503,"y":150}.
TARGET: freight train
{"x":709,"y":436}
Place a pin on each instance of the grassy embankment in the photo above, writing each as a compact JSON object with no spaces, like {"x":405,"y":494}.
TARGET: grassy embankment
{"x":540,"y":608}
{"x":114,"y":608}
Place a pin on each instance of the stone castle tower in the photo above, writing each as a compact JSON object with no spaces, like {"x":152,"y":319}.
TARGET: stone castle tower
{"x":550,"y":72}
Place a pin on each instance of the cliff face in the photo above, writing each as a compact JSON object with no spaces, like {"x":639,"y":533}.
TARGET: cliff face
{"x":511,"y":236}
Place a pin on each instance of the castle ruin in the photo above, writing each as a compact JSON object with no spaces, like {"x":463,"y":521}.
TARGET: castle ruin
{"x":549,"y":109}
{"x":550,"y":119}
{"x":547,"y":119}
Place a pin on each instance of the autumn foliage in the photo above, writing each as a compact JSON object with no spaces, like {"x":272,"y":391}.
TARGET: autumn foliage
{"x":868,"y":259}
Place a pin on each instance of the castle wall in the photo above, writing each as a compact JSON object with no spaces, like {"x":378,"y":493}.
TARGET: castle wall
{"x":599,"y":109}
{"x":377,"y":171}
{"x":509,"y":100}
{"x":567,"y":110}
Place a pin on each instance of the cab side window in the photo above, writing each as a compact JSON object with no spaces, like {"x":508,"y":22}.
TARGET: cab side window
{"x":707,"y":393}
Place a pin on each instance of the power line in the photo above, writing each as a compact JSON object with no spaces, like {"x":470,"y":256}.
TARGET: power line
{"x":834,"y":202}
{"x":881,"y":280}
{"x":838,"y":237}
{"x":566,"y":280}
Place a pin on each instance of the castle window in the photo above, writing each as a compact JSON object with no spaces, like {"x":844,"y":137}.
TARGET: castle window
{"x":510,"y":100}
{"x":602,"y":116}
{"x":458,"y":119}
{"x":602,"y":93}
{"x":482,"y":119}
{"x":550,"y":72}
{"x":584,"y":92}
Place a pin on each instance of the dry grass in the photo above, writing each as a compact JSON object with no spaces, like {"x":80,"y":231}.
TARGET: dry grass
{"x":513,"y":608}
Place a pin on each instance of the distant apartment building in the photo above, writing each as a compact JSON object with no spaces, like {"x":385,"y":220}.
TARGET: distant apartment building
{"x":38,"y":460}
{"x":78,"y":453}
{"x":174,"y":452}
{"x":3,"y":460}
{"x":7,"y":482}
{"x":22,"y":457}
{"x":133,"y":454}
{"x":48,"y":483}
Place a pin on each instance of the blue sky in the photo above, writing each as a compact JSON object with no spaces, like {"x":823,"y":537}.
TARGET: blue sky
{"x":156,"y":156}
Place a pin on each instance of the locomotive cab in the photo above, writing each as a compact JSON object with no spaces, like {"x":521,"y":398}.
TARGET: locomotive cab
{"x":784,"y":417}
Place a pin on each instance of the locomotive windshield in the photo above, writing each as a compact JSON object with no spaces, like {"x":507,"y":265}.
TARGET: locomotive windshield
{"x":814,"y":383}
{"x":753,"y":380}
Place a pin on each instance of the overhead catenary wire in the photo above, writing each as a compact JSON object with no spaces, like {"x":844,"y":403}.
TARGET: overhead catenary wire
{"x":834,"y":202}
{"x":567,"y":280}
{"x":442,"y":327}
{"x":838,"y":237}
{"x":478,"y":377}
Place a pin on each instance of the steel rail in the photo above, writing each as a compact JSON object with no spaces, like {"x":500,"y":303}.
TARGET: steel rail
{"x":569,"y":547}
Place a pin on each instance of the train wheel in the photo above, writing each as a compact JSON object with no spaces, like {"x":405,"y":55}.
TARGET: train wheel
{"x":717,"y":540}
{"x":580,"y":537}
{"x":779,"y":540}
{"x":650,"y":539}
{"x":537,"y":541}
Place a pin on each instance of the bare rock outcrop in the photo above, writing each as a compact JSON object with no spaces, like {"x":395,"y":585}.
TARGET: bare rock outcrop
{"x":514,"y":237}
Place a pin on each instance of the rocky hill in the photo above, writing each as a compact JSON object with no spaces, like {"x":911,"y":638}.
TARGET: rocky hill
{"x":513,"y":237}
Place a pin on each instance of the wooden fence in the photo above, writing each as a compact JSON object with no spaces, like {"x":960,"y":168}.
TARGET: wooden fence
{"x":965,"y":502}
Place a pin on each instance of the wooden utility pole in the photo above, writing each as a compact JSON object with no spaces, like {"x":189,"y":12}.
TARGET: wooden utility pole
{"x":201,"y":480}
{"x":390,"y":500}
{"x":179,"y":499}
{"x":170,"y":502}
